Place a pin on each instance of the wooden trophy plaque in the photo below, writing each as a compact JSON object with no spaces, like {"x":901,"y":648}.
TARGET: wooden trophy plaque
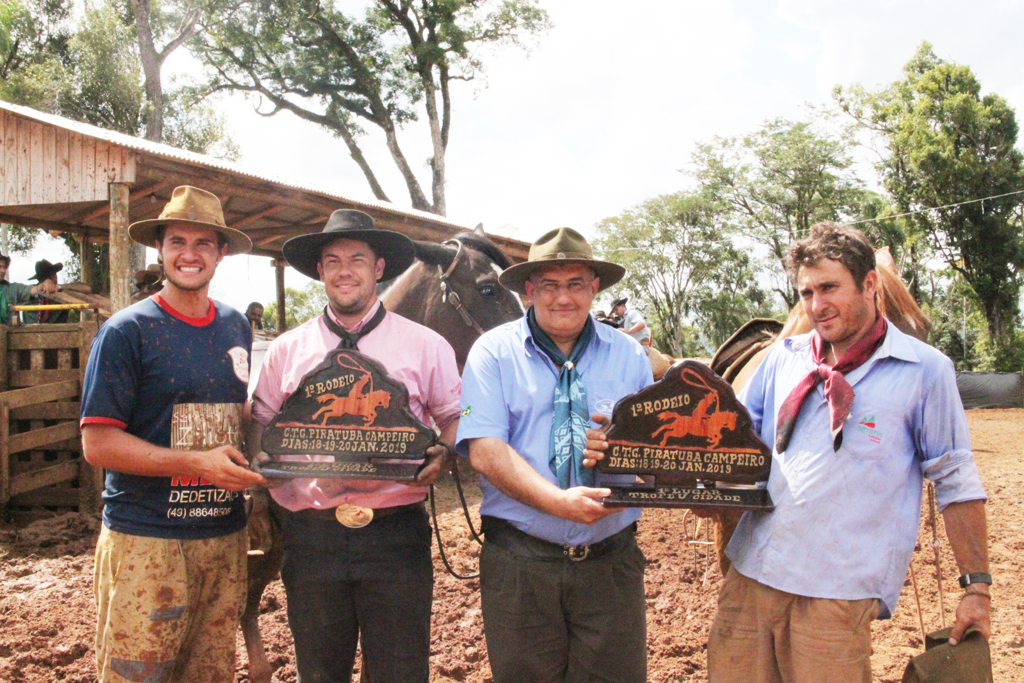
{"x":690,"y":442}
{"x":348,"y":408}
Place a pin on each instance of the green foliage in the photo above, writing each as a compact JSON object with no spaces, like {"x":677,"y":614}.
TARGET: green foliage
{"x":300,"y":305}
{"x":948,"y":143}
{"x":780,"y":180}
{"x":191,"y":122}
{"x":339,"y":71}
{"x":683,"y":266}
{"x":90,"y":71}
{"x":32,"y":32}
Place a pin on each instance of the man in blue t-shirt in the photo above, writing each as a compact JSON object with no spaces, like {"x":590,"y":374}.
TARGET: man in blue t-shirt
{"x":162,"y":406}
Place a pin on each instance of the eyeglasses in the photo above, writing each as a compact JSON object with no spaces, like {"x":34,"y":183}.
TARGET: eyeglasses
{"x":574,"y":288}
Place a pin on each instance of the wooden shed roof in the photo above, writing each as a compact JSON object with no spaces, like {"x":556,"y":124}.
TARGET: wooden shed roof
{"x":54,"y":175}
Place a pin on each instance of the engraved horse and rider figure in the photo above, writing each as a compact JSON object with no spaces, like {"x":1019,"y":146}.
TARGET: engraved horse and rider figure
{"x":356,"y":402}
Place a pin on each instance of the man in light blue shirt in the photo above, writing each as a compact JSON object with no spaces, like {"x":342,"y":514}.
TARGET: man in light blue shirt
{"x":859,"y":413}
{"x":633,"y":322}
{"x":561,"y":575}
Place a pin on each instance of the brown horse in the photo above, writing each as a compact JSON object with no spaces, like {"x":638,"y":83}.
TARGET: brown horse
{"x":738,"y":358}
{"x":453,"y":289}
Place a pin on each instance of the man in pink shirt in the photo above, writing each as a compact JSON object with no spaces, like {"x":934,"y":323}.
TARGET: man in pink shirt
{"x":373,"y":581}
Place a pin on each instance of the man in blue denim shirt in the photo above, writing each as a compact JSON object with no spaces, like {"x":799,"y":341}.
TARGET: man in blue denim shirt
{"x":859,"y":413}
{"x":561,"y":575}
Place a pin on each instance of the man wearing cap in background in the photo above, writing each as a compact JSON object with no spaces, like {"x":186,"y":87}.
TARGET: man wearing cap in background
{"x":561,"y":576}
{"x":15,"y":293}
{"x":170,"y":561}
{"x":347,"y":579}
{"x":633,"y":322}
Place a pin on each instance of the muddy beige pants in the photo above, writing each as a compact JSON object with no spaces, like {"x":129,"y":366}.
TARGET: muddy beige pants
{"x":168,"y":609}
{"x":764,"y":635}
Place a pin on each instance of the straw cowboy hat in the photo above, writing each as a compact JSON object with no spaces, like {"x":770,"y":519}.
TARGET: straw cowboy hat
{"x":191,"y":205}
{"x":303,"y":252}
{"x":560,"y":246}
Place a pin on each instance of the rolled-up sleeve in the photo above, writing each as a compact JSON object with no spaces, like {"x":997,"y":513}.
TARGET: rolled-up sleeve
{"x":943,"y":440}
{"x":484,"y":413}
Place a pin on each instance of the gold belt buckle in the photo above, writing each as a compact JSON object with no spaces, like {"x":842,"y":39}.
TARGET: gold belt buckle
{"x":353,"y":516}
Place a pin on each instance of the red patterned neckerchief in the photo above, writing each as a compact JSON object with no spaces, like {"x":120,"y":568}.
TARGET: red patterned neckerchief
{"x":838,"y":391}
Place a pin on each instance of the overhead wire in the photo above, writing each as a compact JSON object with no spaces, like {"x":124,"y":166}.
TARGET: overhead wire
{"x":936,"y":208}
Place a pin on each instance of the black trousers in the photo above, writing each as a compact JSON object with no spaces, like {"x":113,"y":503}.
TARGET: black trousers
{"x":550,"y":619}
{"x":376,"y":582}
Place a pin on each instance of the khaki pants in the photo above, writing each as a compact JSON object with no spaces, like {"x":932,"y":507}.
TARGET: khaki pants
{"x":763,"y":635}
{"x":168,"y":609}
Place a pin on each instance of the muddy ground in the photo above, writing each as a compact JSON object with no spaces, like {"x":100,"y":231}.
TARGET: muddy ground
{"x":46,"y":608}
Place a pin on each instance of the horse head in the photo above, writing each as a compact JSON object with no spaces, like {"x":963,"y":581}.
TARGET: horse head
{"x":453,"y":289}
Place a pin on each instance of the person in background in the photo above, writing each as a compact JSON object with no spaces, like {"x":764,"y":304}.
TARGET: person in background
{"x":14,"y":293}
{"x":46,"y":272}
{"x":254,"y":313}
{"x":633,"y":322}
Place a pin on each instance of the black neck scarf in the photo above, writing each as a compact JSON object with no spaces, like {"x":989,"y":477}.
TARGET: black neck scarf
{"x":349,"y":340}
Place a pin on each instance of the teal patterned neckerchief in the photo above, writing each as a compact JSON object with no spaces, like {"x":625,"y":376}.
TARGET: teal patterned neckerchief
{"x":571,"y":417}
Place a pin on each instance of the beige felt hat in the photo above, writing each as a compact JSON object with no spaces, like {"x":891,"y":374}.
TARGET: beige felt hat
{"x":191,"y":205}
{"x":968,"y":662}
{"x":557,"y":247}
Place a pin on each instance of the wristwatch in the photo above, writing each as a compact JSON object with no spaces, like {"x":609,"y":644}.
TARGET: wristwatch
{"x":977,"y":577}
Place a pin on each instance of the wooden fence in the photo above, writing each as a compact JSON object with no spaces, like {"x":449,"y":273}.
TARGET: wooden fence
{"x":42,"y":471}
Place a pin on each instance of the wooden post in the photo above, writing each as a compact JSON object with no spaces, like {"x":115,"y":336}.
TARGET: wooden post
{"x":4,"y":363}
{"x":91,"y":479}
{"x":5,"y":455}
{"x":85,"y":254}
{"x":120,"y":252}
{"x":282,"y":326}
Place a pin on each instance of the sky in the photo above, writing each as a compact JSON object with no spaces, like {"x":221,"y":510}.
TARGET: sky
{"x":604,"y":110}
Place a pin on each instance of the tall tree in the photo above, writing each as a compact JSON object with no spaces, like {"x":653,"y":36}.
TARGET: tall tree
{"x":325,"y":66}
{"x":153,"y":23}
{"x":946,"y":143}
{"x":780,"y":180}
{"x":681,"y":261}
{"x":91,"y":71}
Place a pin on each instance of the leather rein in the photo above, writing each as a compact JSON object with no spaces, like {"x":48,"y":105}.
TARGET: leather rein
{"x":448,"y":293}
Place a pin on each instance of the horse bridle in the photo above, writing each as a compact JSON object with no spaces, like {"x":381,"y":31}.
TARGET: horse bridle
{"x":448,"y":293}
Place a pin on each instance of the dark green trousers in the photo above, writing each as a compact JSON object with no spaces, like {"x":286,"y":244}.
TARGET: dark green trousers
{"x":550,"y":619}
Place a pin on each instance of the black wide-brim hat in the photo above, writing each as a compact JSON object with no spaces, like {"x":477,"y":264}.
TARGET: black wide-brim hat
{"x":303,"y":252}
{"x":46,"y":270}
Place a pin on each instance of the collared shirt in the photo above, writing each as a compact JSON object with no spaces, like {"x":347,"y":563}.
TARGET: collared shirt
{"x":633,"y":317}
{"x":413,"y":354}
{"x":12,"y":294}
{"x":508,"y":389}
{"x":845,"y":522}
